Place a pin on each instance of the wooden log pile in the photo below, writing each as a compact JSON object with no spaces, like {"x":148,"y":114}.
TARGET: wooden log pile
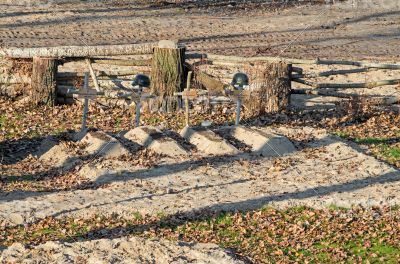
{"x":168,"y":72}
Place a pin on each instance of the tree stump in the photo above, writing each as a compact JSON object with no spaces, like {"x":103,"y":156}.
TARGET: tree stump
{"x":43,"y":81}
{"x":168,"y":73}
{"x":277,"y":77}
{"x":271,"y":89}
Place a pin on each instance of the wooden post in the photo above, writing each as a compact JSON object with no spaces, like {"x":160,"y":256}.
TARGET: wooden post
{"x":189,"y":78}
{"x":43,"y":81}
{"x":167,"y":73}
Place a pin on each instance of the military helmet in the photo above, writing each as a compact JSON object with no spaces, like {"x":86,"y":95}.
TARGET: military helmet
{"x":240,"y":79}
{"x":141,"y":80}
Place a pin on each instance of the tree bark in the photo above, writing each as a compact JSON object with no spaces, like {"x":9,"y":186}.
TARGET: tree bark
{"x":78,"y":51}
{"x":43,"y":81}
{"x":279,"y":87}
{"x":213,"y":86}
{"x":273,"y":94}
{"x":168,"y":75}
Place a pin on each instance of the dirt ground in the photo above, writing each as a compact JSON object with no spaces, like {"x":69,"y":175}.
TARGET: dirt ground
{"x":360,"y":29}
{"x":125,"y":250}
{"x":322,"y":170}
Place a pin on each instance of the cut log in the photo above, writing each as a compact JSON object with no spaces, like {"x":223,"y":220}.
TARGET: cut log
{"x":241,"y":60}
{"x":273,"y":95}
{"x":213,"y":86}
{"x":13,"y":90}
{"x":43,"y":83}
{"x":78,"y":51}
{"x":14,"y":79}
{"x":347,"y":85}
{"x":72,"y":75}
{"x":330,"y":73}
{"x":123,"y":62}
{"x":168,"y":74}
{"x":373,"y":99}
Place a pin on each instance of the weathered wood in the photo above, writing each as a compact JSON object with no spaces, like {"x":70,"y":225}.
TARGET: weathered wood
{"x":123,"y":62}
{"x":347,"y":85}
{"x":241,"y":60}
{"x":14,"y":79}
{"x":278,"y":82}
{"x":330,"y":73}
{"x":377,"y":100}
{"x":78,"y":51}
{"x":213,"y":86}
{"x":297,"y":70}
{"x":110,"y":74}
{"x":93,"y":75}
{"x":12,"y":90}
{"x":269,"y":90}
{"x":168,"y":75}
{"x":43,"y":81}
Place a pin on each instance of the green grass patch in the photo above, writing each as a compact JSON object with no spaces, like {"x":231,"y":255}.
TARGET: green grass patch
{"x":389,"y":152}
{"x":370,"y":140}
{"x":3,"y":120}
{"x":331,"y":235}
{"x":342,"y":134}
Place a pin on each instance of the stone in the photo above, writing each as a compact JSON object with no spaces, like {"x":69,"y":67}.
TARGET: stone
{"x":101,"y":144}
{"x":208,"y":142}
{"x":16,"y":219}
{"x":154,"y":139}
{"x":264,"y":143}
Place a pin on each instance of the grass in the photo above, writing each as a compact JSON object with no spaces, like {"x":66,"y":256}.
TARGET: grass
{"x":342,"y":134}
{"x":391,"y":152}
{"x":382,"y":147}
{"x":3,"y":121}
{"x":370,"y":140}
{"x":265,"y":236}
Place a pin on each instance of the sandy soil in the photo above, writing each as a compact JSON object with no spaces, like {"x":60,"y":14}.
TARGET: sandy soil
{"x":355,"y":29}
{"x":121,"y":250}
{"x":324,"y":171}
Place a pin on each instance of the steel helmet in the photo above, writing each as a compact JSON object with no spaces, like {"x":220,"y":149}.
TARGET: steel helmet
{"x":240,"y":79}
{"x":141,"y":80}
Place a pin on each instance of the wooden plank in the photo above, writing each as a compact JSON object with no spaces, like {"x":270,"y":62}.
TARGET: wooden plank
{"x":93,"y":75}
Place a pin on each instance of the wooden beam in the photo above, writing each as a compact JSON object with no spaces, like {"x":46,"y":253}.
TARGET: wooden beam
{"x":348,"y":85}
{"x":78,"y":51}
{"x":241,"y":60}
{"x":377,"y":100}
{"x":14,"y":79}
{"x":93,"y":75}
{"x":123,"y":62}
{"x":333,"y":72}
{"x":213,"y":86}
